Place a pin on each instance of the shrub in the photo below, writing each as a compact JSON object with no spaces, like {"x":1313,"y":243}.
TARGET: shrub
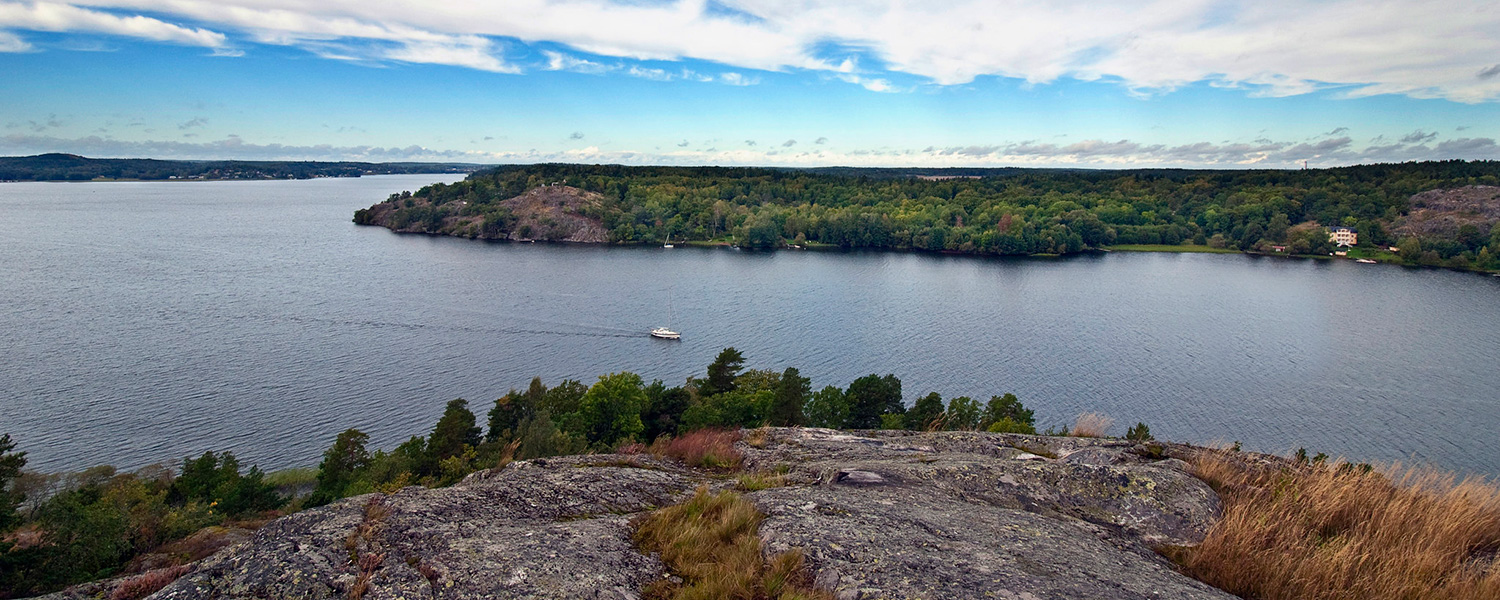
{"x":1091,"y":425}
{"x":711,"y":448}
{"x":1006,"y":425}
{"x":1341,"y":531}
{"x":1140,"y":433}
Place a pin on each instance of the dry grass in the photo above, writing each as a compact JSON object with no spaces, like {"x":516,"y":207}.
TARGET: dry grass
{"x":363,"y":546}
{"x":1341,"y":532}
{"x":711,"y":448}
{"x":145,"y":584}
{"x":710,"y":541}
{"x":759,"y":437}
{"x":1091,"y":425}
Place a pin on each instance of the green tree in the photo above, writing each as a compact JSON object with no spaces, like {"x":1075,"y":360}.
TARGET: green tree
{"x":828,"y":408}
{"x":505,"y":416}
{"x":722,"y":373}
{"x":1141,"y":433}
{"x":791,"y":393}
{"x":893,"y":421}
{"x":963,"y":414}
{"x":11,"y":463}
{"x":342,"y":462}
{"x":1411,"y":249}
{"x":1007,"y":407}
{"x":610,"y":412}
{"x":926,"y":412}
{"x":871,"y":396}
{"x":454,"y":430}
{"x":664,"y":408}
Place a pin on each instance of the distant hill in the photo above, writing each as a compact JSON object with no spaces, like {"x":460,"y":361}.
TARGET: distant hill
{"x":71,"y":167}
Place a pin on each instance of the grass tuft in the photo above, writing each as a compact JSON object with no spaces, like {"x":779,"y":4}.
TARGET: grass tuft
{"x":710,"y":448}
{"x":1091,"y":425}
{"x":710,"y":541}
{"x":1336,"y":531}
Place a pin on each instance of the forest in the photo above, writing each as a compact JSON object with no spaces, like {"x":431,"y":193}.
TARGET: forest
{"x":985,"y":211}
{"x":62,"y":529}
{"x":69,"y":167}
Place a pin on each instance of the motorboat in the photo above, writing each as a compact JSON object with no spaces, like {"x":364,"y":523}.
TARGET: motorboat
{"x":665,"y":334}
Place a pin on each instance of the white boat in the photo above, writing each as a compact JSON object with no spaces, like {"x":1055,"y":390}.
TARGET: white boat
{"x":666,"y":333}
{"x":669,"y":242}
{"x":1364,"y":260}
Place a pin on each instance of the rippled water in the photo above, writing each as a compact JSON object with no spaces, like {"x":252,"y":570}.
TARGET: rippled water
{"x":148,"y":321}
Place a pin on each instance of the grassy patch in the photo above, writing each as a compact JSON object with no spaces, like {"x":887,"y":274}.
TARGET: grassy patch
{"x":709,"y":448}
{"x":1335,"y":531}
{"x":1170,"y":248}
{"x":1091,"y":425}
{"x":710,"y":541}
{"x":754,"y":482}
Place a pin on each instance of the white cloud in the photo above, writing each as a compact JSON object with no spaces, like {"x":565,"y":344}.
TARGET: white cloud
{"x":557,"y":61}
{"x":9,"y":42}
{"x":1093,"y":153}
{"x":738,"y":79}
{"x":1421,"y":48}
{"x":53,"y":16}
{"x":649,"y":73}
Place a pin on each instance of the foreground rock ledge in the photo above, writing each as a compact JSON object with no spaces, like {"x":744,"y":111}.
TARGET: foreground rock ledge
{"x":879,"y":514}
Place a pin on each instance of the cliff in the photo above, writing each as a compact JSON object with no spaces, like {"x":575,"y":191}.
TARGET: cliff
{"x":878,"y":514}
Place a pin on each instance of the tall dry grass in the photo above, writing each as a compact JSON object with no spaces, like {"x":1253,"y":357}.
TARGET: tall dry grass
{"x":1091,"y":425}
{"x":711,"y":542}
{"x":1314,"y":532}
{"x":711,"y":448}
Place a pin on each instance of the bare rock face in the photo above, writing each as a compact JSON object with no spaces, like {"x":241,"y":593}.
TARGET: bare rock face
{"x":878,"y":515}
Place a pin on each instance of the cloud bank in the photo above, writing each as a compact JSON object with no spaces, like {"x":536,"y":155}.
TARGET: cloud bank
{"x":1421,"y":48}
{"x":1337,"y":151}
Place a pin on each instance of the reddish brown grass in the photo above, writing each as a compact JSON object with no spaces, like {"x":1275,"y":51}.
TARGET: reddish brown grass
{"x":1091,"y":425}
{"x":150,"y":582}
{"x":1339,"y":532}
{"x":711,"y":448}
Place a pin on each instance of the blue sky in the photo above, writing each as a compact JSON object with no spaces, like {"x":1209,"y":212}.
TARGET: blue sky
{"x":1179,"y":83}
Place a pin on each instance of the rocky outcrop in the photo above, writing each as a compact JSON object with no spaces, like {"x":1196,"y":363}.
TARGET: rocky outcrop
{"x":1444,"y":212}
{"x":552,"y":213}
{"x":877,"y":514}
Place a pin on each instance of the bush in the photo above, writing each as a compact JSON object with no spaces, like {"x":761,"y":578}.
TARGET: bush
{"x":1139,"y":433}
{"x":1006,"y":425}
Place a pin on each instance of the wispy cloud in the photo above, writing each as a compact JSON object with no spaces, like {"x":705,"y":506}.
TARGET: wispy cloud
{"x":1426,"y":49}
{"x":194,"y":122}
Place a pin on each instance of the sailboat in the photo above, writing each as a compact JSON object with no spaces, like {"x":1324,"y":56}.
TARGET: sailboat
{"x":666,"y":333}
{"x":669,"y":242}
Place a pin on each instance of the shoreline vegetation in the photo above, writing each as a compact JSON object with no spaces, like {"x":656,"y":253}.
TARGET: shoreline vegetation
{"x":1344,"y":526}
{"x":1442,"y":214}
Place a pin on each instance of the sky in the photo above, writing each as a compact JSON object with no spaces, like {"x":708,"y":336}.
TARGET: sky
{"x":1044,"y":83}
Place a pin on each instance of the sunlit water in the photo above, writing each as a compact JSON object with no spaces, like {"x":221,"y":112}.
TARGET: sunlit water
{"x":142,"y":322}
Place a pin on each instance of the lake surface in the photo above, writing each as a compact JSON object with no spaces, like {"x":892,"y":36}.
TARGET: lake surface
{"x":142,"y":322}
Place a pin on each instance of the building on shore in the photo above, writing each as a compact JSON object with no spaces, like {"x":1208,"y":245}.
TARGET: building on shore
{"x":1343,"y":236}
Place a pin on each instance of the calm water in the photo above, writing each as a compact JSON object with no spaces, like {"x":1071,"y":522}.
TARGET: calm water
{"x":147,"y":321}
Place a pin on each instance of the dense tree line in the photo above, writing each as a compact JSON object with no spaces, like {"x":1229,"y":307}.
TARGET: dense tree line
{"x":1004,"y":212}
{"x":621,"y":408}
{"x":69,"y":167}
